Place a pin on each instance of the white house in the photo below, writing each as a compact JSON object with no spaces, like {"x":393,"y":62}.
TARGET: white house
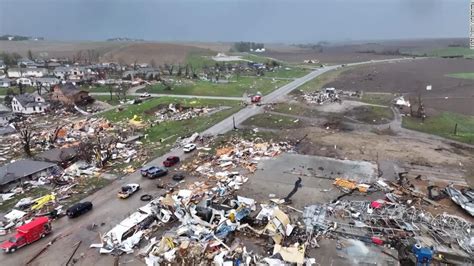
{"x":35,"y":72}
{"x":24,"y":81}
{"x":46,"y":81}
{"x":29,"y":104}
{"x":6,"y":83}
{"x":14,"y":72}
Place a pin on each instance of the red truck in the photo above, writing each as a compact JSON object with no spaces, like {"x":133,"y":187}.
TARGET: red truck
{"x":27,"y":234}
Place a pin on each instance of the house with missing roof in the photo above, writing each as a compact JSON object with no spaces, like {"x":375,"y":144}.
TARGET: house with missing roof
{"x":68,"y":94}
{"x":13,"y":174}
{"x":29,"y":103}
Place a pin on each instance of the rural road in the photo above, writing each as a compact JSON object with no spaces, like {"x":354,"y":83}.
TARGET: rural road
{"x":109,"y":210}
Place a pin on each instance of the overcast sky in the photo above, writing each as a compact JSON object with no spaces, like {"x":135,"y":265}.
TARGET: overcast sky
{"x":232,"y":20}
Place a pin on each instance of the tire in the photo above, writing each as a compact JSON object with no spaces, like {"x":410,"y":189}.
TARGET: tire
{"x":146,"y":197}
{"x":43,"y":235}
{"x":12,"y":250}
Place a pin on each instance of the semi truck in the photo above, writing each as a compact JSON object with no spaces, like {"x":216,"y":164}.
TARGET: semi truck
{"x":27,"y":234}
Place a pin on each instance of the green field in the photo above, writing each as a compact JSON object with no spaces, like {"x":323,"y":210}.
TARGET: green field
{"x":273,"y":121}
{"x":3,"y":91}
{"x":106,"y":98}
{"x":235,"y":88}
{"x":443,"y":125}
{"x":169,"y":131}
{"x":200,"y":59}
{"x":292,"y":72}
{"x":469,"y":75}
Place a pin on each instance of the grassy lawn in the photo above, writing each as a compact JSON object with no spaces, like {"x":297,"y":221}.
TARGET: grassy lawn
{"x":443,"y":125}
{"x":96,"y":88}
{"x":85,"y":187}
{"x":377,"y":98}
{"x":235,"y":88}
{"x":371,"y":114}
{"x":469,"y":75}
{"x":169,"y":131}
{"x":3,"y":91}
{"x":106,"y":98}
{"x":273,"y":121}
{"x":200,"y":59}
{"x":292,"y":72}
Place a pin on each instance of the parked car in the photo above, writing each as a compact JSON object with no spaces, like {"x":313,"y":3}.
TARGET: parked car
{"x":145,"y":171}
{"x":189,"y":147}
{"x":157,"y":172}
{"x":178,"y":177}
{"x":170,"y":161}
{"x":27,"y":234}
{"x":79,"y":209}
{"x":128,"y":190}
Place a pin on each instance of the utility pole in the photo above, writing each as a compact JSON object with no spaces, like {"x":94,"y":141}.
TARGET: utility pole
{"x":233,"y":121}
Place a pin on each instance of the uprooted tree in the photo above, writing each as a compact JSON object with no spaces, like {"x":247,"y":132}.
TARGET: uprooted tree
{"x":54,"y":135}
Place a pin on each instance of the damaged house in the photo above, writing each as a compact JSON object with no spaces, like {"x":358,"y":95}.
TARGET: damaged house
{"x":17,"y":172}
{"x":68,"y":94}
{"x":59,"y":156}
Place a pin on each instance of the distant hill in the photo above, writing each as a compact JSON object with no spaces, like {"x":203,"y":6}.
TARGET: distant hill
{"x":11,"y":37}
{"x":124,"y":39}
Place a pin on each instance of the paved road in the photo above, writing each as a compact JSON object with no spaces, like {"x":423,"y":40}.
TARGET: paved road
{"x":110,"y":210}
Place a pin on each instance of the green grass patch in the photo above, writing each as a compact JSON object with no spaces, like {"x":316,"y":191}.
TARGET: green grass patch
{"x":371,"y":114}
{"x":33,"y":193}
{"x":377,"y":98}
{"x":291,"y":72}
{"x":469,"y":75}
{"x":16,"y":90}
{"x":96,"y":89}
{"x":235,"y":88}
{"x":113,"y":101}
{"x":160,"y":137}
{"x":273,"y":121}
{"x":443,"y":125}
{"x":200,"y":59}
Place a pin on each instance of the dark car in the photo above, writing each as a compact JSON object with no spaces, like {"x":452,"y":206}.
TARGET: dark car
{"x":79,"y":209}
{"x":170,"y":161}
{"x":157,"y":172}
{"x":145,"y":171}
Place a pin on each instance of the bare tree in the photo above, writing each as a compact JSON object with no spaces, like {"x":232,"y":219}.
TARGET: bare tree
{"x":180,"y":71}
{"x":186,"y":71}
{"x":26,"y":134}
{"x":104,"y":151}
{"x":169,"y":68}
{"x":153,"y":63}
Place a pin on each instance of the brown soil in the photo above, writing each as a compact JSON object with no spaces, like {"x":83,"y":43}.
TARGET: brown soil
{"x":412,"y":78}
{"x":161,"y":53}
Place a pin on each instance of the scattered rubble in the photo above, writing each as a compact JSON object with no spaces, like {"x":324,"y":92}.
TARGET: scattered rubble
{"x":328,"y":95}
